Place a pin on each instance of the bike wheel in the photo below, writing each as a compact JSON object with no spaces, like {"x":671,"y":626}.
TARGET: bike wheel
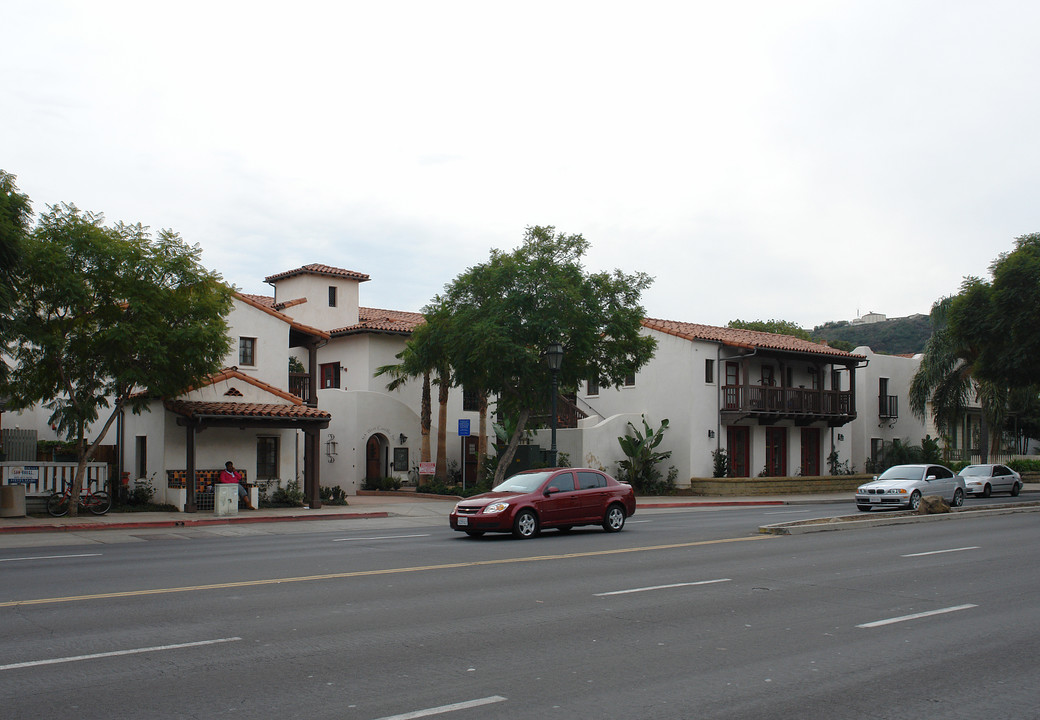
{"x":58,"y":504}
{"x":99,"y":503}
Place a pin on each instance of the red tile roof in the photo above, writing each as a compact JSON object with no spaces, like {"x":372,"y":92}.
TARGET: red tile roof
{"x":749,"y":339}
{"x":261,"y":302}
{"x":318,"y":269}
{"x":196,"y":409}
{"x":375,"y":320}
{"x":233,"y":373}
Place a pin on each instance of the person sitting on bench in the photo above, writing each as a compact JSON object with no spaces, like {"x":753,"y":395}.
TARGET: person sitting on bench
{"x":230,"y":475}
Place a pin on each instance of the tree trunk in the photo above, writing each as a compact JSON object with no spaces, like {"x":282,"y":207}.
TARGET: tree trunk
{"x":442,"y":431}
{"x":425,"y":417}
{"x":510,"y":451}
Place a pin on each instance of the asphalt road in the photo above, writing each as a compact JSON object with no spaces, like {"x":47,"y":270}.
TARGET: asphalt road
{"x":685,"y":614}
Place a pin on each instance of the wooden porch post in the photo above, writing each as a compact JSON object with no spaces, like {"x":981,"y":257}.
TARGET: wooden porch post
{"x":311,"y":468}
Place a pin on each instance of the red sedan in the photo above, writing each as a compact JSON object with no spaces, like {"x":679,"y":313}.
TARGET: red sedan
{"x":556,"y":498}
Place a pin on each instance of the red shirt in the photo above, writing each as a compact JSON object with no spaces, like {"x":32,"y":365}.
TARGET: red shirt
{"x":228,"y":477}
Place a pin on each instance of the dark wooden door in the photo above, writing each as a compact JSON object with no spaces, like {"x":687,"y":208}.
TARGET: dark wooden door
{"x":738,"y":442}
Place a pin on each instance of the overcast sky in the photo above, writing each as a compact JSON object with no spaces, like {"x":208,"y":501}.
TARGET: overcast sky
{"x":798,"y":160}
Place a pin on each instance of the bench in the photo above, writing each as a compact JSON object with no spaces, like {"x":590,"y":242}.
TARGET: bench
{"x":204,"y":482}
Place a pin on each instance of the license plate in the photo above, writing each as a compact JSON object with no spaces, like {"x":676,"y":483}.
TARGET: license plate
{"x":463,"y":521}
{"x":875,"y":499}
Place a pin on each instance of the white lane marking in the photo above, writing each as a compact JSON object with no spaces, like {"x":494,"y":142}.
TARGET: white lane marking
{"x":381,"y":537}
{"x":661,"y":587}
{"x":787,"y":512}
{"x":445,"y":708}
{"x":50,"y":557}
{"x":940,"y":552}
{"x":915,"y":616}
{"x":116,"y":653}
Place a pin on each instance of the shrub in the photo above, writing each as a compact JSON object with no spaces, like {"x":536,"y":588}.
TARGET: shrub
{"x":289,"y":496}
{"x":720,"y":463}
{"x":639,"y":469}
{"x":387,"y":483}
{"x":333,"y":495}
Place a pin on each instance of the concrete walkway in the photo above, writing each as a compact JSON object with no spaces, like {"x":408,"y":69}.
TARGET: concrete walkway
{"x":369,"y":506}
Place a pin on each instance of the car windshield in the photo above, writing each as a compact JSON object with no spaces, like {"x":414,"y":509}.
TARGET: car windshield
{"x":901,"y":473}
{"x":974,"y":470}
{"x":523,"y":483}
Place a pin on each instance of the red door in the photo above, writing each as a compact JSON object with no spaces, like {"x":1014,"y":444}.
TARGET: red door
{"x":776,"y":452}
{"x":469,"y":452}
{"x":738,"y":445}
{"x":373,"y":466}
{"x":810,"y":451}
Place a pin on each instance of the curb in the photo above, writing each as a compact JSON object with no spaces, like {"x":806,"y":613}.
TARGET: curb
{"x":855,"y":522}
{"x":79,"y":527}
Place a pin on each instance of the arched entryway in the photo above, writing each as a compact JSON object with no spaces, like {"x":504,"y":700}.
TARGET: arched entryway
{"x":376,"y":459}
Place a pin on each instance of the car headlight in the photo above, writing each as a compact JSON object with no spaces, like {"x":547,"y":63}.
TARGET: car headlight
{"x":900,"y":491}
{"x":975,"y":482}
{"x":496,"y":507}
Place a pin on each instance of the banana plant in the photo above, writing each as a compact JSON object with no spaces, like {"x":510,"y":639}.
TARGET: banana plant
{"x":640,"y":466}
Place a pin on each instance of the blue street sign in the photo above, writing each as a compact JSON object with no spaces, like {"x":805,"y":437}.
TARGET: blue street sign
{"x":463,"y":428}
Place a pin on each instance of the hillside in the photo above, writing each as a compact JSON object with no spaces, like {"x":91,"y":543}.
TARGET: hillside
{"x":897,"y":336}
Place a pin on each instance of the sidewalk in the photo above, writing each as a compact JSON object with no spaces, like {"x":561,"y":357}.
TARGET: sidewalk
{"x":370,"y":506}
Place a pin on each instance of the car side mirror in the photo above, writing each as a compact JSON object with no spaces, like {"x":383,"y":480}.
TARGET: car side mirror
{"x":551,"y":491}
{"x":930,"y":477}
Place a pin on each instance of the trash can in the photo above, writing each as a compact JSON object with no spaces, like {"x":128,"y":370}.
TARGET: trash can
{"x":225,"y":498}
{"x":12,"y":500}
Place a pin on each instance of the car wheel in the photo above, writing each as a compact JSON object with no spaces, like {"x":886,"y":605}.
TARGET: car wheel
{"x":864,"y":508}
{"x":958,"y":497}
{"x":525,"y":525}
{"x":614,"y":520}
{"x":475,"y":533}
{"x":987,"y":491}
{"x":915,"y":500}
{"x":1015,"y":489}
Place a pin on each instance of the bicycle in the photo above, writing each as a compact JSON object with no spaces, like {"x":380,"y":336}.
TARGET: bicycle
{"x":98,"y":502}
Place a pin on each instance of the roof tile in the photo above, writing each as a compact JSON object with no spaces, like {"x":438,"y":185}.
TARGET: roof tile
{"x":744,"y":338}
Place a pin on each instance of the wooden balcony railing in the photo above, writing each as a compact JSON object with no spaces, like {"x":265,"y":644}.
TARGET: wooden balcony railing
{"x":300,"y":385}
{"x":788,"y":402}
{"x":567,"y":415}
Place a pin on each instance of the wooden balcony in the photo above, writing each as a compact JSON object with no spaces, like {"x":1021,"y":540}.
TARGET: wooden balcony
{"x":300,"y":385}
{"x":771,"y":404}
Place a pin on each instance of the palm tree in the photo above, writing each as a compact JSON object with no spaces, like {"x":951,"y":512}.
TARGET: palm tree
{"x":424,"y":356}
{"x":946,"y":378}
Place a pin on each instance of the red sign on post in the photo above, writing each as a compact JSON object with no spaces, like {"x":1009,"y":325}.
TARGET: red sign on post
{"x":427,"y":468}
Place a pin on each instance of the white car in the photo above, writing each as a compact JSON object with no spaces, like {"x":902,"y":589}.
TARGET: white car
{"x":987,"y":479}
{"x":905,"y":485}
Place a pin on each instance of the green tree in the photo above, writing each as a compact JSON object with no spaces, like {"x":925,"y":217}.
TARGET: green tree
{"x":999,"y":318}
{"x":777,"y":327}
{"x":15,"y":218}
{"x":639,"y":468}
{"x":946,"y":378}
{"x":500,"y":315}
{"x":106,"y":318}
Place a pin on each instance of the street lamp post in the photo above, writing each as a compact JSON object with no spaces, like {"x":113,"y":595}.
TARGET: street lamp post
{"x":554,"y":356}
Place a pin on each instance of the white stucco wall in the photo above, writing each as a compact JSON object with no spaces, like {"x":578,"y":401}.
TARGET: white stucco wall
{"x":272,"y":344}
{"x":906,"y":427}
{"x":316,"y":311}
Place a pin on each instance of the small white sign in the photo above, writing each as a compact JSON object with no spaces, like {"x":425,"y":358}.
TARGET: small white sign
{"x":25,"y":475}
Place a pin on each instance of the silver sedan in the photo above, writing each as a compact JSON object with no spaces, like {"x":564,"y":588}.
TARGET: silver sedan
{"x":905,"y":485}
{"x":984,"y":480}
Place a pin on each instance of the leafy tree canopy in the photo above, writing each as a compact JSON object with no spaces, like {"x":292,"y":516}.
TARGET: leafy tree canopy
{"x":999,"y":318}
{"x":15,"y":218}
{"x":777,"y":327}
{"x":498,"y":317}
{"x":108,"y":316}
